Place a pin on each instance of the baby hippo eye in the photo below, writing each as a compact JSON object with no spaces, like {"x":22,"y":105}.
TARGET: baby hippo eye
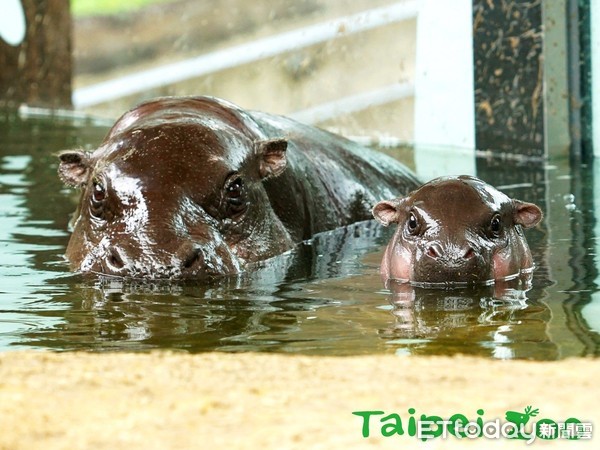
{"x":97,"y":200}
{"x":496,"y":225}
{"x":412,"y":224}
{"x":99,"y":192}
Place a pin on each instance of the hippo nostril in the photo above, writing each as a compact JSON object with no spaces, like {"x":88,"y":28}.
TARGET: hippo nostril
{"x":193,"y":258}
{"x":115,"y":260}
{"x":434,"y":251}
{"x":470,"y":253}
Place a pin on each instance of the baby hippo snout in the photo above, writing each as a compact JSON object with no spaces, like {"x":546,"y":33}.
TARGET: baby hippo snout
{"x":441,"y":263}
{"x":437,"y":251}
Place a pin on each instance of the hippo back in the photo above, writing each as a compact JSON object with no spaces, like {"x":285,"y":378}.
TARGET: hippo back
{"x":330,"y":181}
{"x":195,"y":109}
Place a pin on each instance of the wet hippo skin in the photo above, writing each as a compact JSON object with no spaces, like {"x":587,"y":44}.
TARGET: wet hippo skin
{"x":456,"y":230}
{"x":191,"y":187}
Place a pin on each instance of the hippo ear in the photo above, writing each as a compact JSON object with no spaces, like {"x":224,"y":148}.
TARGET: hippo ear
{"x":74,"y":167}
{"x":272,"y":157}
{"x":387,"y":211}
{"x":527,"y":214}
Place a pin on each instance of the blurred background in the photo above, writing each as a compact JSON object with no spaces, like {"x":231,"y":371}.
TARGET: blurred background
{"x":503,"y":76}
{"x":343,"y":64}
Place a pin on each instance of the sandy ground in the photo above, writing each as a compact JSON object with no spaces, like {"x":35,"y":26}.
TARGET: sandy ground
{"x":261,"y":401}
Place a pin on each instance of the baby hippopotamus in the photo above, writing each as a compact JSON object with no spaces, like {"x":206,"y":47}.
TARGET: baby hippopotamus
{"x":456,"y":230}
{"x":195,"y":187}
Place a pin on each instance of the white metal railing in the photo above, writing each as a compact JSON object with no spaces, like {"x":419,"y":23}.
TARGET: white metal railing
{"x":354,"y":103}
{"x":242,"y":54}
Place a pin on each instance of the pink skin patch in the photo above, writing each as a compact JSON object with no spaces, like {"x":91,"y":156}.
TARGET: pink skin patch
{"x":396,"y":263}
{"x":510,"y":261}
{"x":513,"y":259}
{"x":503,"y":266}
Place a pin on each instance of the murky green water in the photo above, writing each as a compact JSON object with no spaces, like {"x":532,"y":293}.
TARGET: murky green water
{"x":324,"y":298}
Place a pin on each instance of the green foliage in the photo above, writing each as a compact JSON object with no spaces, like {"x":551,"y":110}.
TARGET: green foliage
{"x":108,"y":7}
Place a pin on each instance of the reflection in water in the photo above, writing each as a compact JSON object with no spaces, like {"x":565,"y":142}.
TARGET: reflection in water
{"x":230,"y":313}
{"x":499,"y":321}
{"x":324,"y":297}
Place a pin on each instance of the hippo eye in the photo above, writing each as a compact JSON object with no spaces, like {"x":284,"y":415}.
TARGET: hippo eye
{"x":412,"y":224}
{"x":99,"y":192}
{"x":496,"y":225}
{"x":98,"y":197}
{"x":235,"y":201}
{"x":234,"y":189}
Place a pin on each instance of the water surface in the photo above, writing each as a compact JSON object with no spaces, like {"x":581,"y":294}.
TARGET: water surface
{"x":325,"y":297}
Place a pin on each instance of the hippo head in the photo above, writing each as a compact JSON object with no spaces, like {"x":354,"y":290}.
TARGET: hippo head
{"x":174,"y":194}
{"x":456,"y":230}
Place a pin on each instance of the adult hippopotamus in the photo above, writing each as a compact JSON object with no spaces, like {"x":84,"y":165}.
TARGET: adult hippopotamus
{"x":191,"y":187}
{"x":456,"y":230}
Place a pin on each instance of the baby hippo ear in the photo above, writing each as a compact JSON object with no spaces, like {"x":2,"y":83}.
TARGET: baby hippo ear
{"x":527,"y":214}
{"x":272,"y":157}
{"x":74,"y":167}
{"x":387,"y":211}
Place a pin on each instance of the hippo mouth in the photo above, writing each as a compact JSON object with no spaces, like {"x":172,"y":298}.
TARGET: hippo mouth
{"x":450,"y":284}
{"x":524,"y":274}
{"x":190,"y":261}
{"x":156,"y":272}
